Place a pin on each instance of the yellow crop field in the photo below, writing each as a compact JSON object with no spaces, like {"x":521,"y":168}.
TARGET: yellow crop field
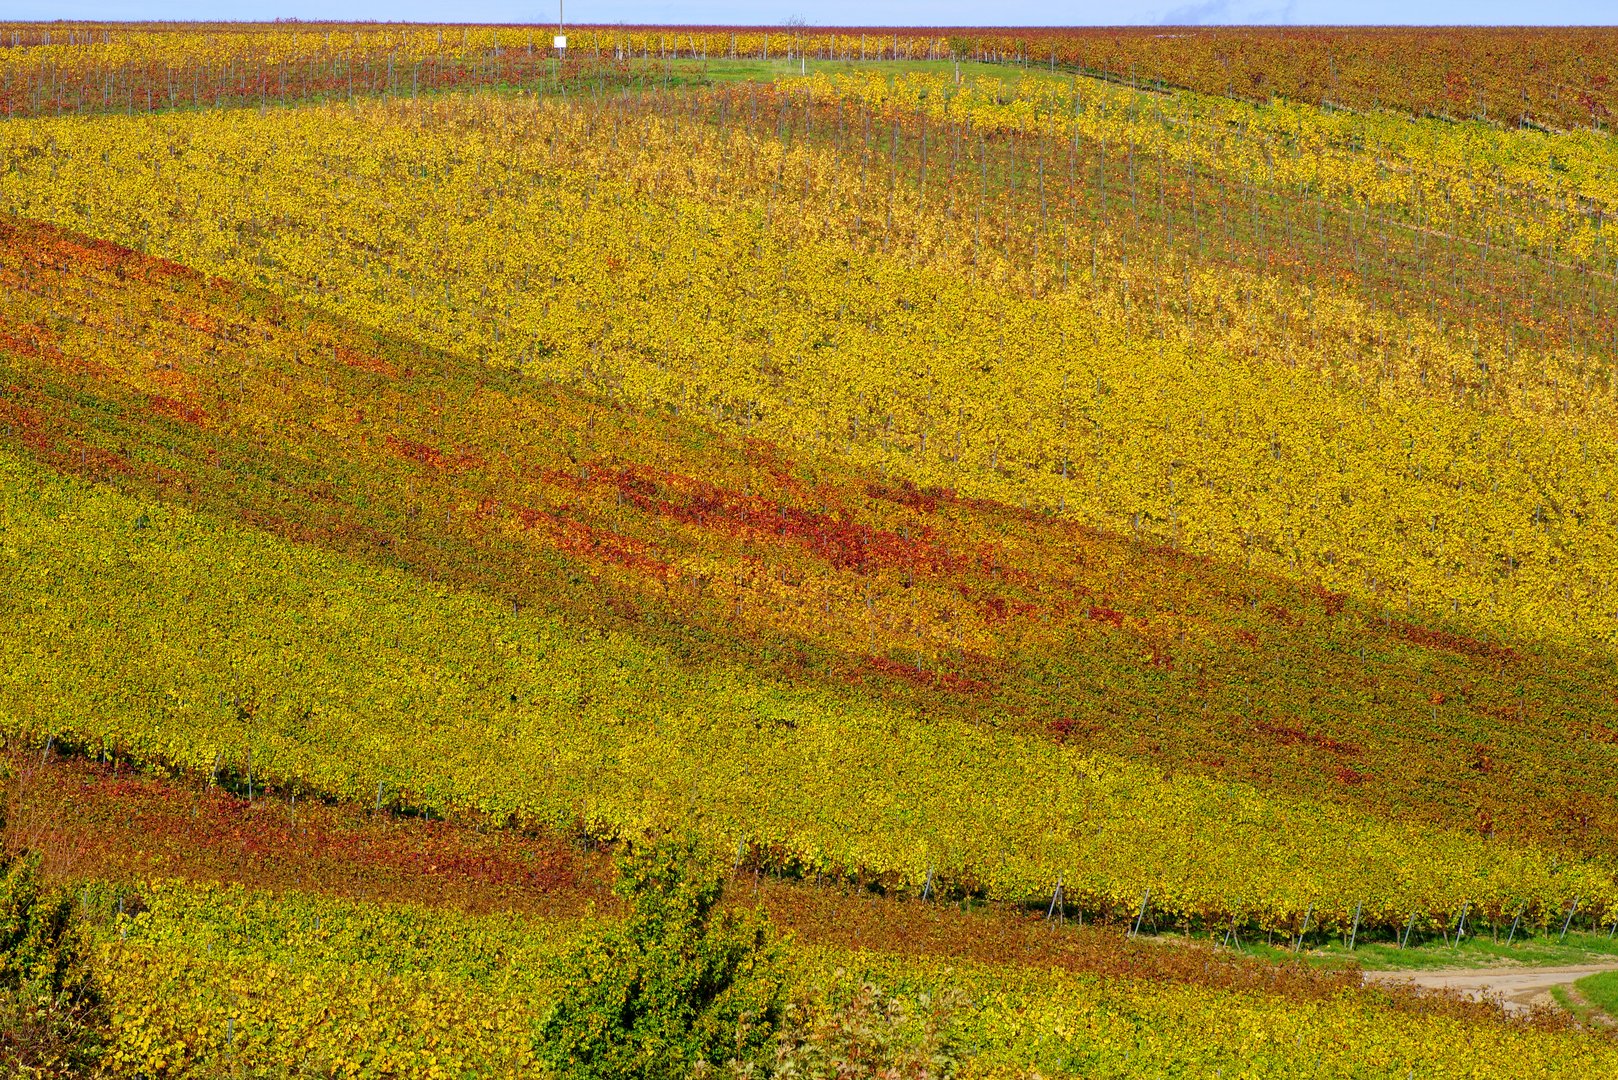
{"x":514,"y":718}
{"x":557,"y":237}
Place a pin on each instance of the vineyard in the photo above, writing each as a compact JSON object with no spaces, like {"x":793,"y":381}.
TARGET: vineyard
{"x":406,"y":992}
{"x":1559,"y":79}
{"x":1091,"y":475}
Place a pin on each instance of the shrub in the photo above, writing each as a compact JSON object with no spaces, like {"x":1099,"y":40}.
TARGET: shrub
{"x":673,"y":990}
{"x":39,"y":952}
{"x":49,"y":1009}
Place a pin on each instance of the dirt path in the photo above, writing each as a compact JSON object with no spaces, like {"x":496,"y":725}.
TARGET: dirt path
{"x":1518,"y":987}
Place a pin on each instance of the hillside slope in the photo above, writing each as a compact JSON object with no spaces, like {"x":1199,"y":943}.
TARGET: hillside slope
{"x":957,"y":314}
{"x":525,"y":602}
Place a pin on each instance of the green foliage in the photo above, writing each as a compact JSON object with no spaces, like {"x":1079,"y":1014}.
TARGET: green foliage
{"x":49,"y":1007}
{"x":675,"y":988}
{"x":1601,"y":991}
{"x":38,"y":947}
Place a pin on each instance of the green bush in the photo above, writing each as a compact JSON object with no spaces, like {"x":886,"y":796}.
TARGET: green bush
{"x":675,"y":989}
{"x":39,"y":953}
{"x":49,"y":1009}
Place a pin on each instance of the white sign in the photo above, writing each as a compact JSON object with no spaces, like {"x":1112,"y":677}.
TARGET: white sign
{"x":561,"y":41}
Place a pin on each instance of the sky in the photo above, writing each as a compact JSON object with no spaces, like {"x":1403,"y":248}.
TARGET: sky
{"x":853,"y":12}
